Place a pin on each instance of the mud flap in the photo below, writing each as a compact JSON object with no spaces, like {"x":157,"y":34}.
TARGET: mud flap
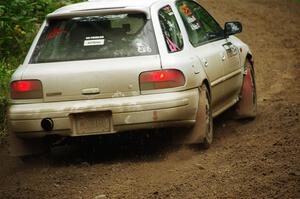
{"x":247,"y":106}
{"x":25,"y":147}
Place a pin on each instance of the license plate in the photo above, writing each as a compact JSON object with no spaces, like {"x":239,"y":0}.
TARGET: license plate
{"x":91,"y":123}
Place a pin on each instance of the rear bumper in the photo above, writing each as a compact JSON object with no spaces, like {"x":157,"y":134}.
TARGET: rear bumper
{"x":128,"y":113}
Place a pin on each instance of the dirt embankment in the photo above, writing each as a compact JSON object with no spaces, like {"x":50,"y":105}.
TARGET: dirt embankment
{"x":256,"y":159}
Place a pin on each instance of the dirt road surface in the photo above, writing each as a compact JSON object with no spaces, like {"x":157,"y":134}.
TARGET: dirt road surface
{"x":249,"y":159}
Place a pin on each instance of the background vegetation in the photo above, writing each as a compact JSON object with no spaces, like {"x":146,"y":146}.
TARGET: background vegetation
{"x":19,"y":22}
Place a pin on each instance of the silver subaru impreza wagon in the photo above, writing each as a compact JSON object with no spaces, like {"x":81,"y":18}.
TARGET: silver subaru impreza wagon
{"x":102,"y":67}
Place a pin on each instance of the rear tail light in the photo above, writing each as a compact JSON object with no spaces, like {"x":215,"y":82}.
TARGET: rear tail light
{"x":26,"y":89}
{"x":161,"y":79}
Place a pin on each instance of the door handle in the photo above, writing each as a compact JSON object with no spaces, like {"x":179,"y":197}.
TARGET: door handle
{"x":228,"y":46}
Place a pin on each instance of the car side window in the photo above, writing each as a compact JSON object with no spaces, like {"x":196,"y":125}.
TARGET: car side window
{"x":200,"y":25}
{"x":170,"y":29}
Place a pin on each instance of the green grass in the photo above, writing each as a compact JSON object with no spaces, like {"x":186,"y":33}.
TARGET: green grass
{"x":3,"y":106}
{"x":5,"y":74}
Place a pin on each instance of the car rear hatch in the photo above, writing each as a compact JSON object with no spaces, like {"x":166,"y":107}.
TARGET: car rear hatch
{"x":92,"y":57}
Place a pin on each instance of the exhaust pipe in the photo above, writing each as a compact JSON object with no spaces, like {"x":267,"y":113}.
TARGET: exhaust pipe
{"x":47,"y":124}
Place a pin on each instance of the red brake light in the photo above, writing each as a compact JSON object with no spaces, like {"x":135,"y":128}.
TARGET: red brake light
{"x":26,"y":89}
{"x":161,"y":79}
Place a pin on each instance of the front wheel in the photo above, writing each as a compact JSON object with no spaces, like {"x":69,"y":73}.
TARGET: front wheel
{"x":247,"y":106}
{"x":202,"y":131}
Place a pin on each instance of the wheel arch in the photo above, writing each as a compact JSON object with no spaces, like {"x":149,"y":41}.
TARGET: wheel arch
{"x":250,"y":58}
{"x":207,"y":84}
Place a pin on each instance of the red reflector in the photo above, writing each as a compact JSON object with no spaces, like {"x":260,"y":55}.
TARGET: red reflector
{"x":161,"y":79}
{"x":27,"y":89}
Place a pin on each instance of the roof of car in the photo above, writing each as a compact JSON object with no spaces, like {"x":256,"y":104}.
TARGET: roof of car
{"x":145,"y":3}
{"x":106,"y":4}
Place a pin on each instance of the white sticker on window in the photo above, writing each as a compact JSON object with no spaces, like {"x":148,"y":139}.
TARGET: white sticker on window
{"x":94,"y":41}
{"x":191,"y":19}
{"x":142,"y":48}
{"x":149,"y":50}
{"x":195,"y":26}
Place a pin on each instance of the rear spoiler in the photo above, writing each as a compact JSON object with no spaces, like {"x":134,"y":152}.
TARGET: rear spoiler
{"x":95,"y":12}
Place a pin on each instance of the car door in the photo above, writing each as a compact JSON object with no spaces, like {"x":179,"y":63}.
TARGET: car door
{"x":233,"y":75}
{"x":207,"y":39}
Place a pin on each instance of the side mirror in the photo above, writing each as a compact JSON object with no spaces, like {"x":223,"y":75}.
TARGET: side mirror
{"x":232,"y":27}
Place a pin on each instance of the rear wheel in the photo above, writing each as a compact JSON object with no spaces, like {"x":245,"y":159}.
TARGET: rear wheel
{"x":247,"y":106}
{"x":202,"y":131}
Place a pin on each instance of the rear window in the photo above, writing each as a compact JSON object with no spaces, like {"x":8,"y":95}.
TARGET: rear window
{"x":95,"y":37}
